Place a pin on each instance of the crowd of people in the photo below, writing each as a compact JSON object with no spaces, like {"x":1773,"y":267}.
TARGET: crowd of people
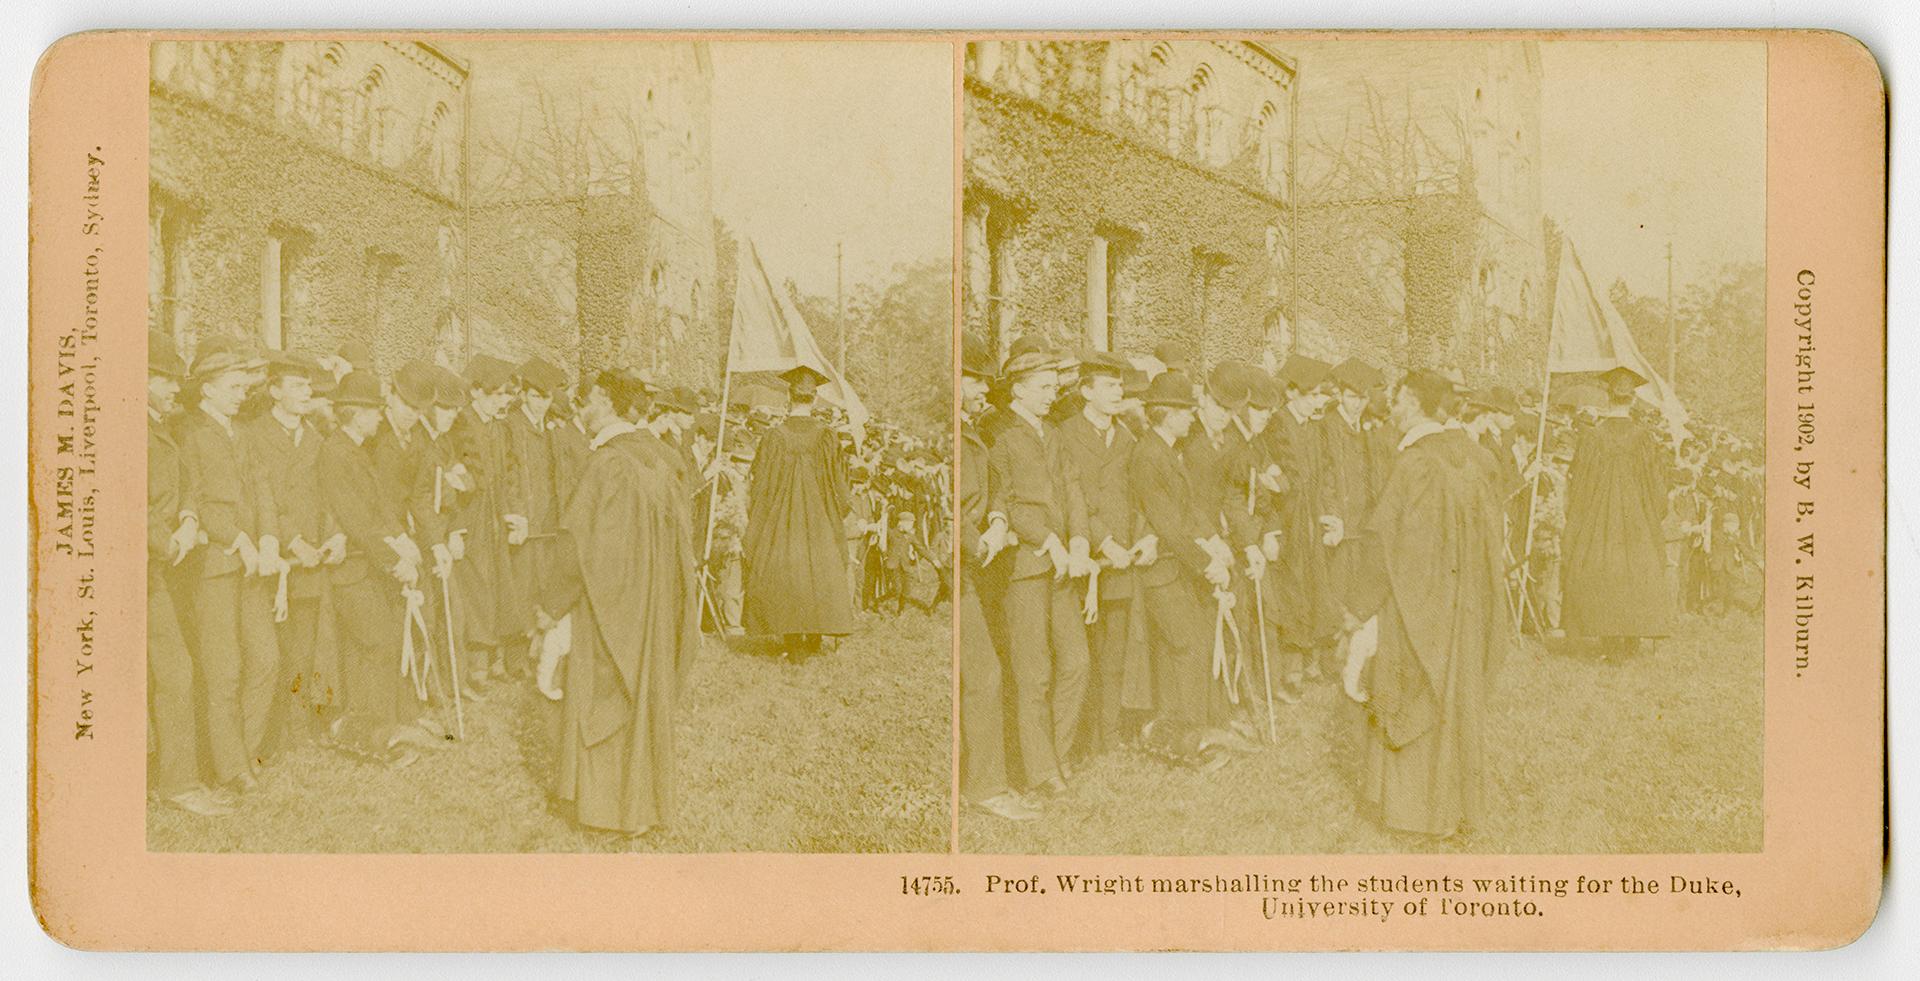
{"x":1169,"y":558}
{"x":360,"y":560}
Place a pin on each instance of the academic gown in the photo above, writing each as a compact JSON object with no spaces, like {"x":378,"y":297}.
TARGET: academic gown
{"x":795,"y":557}
{"x":1345,"y":492}
{"x":484,"y":572}
{"x":624,"y":570}
{"x":1300,"y":575}
{"x":1614,"y":580}
{"x":1431,"y":571}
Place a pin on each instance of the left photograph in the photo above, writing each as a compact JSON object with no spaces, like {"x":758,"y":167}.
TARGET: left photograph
{"x":549,"y":445}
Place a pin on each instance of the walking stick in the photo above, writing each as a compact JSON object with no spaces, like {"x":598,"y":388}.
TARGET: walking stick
{"x":1266,"y":672}
{"x":453,"y":660}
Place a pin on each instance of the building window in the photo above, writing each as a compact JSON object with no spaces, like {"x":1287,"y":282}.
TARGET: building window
{"x":1200,"y":113}
{"x":383,"y":291}
{"x":283,"y":287}
{"x":1108,"y":287}
{"x":365,"y":134}
{"x":1209,"y":282}
{"x":169,"y":224}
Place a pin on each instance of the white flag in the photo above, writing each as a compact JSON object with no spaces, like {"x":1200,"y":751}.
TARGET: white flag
{"x":769,"y":334}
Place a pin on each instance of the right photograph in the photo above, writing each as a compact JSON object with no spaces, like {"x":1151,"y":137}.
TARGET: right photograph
{"x":1361,"y":446}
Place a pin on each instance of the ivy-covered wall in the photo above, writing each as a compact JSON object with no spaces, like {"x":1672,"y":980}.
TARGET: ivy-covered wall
{"x":231,"y":183}
{"x":1186,"y":229}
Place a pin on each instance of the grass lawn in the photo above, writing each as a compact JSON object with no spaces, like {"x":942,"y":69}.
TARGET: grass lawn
{"x":1660,"y":753}
{"x":846,"y":752}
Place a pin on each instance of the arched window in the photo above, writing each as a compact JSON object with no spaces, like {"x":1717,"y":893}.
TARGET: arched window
{"x":1200,"y":112}
{"x":1262,"y":140}
{"x":366,"y":133}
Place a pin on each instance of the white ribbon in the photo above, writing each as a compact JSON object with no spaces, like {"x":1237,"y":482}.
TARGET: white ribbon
{"x":414,"y":661}
{"x":1224,"y":625}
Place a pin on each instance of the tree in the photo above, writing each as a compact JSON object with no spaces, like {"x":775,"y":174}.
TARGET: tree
{"x":1721,"y":323}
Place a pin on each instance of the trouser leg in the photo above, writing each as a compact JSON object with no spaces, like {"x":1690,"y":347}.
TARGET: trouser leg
{"x":1026,"y":607}
{"x":983,"y":750}
{"x":1067,"y":636}
{"x":216,"y":606}
{"x":298,"y":697}
{"x":1181,"y":645}
{"x":169,"y":694}
{"x":1107,"y":646}
{"x":260,"y":662}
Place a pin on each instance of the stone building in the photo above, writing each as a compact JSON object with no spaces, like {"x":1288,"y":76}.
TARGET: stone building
{"x":1421,"y":225}
{"x":593,"y":203}
{"x":306,"y":192}
{"x":1118,"y":193}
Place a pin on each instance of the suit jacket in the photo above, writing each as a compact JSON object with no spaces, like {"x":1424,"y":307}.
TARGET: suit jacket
{"x":972,"y":491}
{"x":166,"y":489}
{"x":1027,"y":481}
{"x":1158,"y":484}
{"x":290,"y":472}
{"x":1099,"y":469}
{"x":228,"y":491}
{"x":346,"y":474}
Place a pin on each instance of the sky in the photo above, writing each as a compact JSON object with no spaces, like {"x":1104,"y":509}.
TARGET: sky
{"x":1645,"y":142}
{"x":817,"y":143}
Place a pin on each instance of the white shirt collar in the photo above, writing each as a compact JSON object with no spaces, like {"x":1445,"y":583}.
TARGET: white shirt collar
{"x":618,"y":427}
{"x":1421,"y":430}
{"x":1352,"y":420}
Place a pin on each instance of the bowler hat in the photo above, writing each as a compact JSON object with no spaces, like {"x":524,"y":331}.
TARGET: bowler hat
{"x":1304,"y":373}
{"x":414,"y":383}
{"x":358,"y":388}
{"x":1356,"y":374}
{"x":1170,"y":388}
{"x":541,"y":376}
{"x":163,"y":358}
{"x":1229,"y":386}
{"x":976,"y":362}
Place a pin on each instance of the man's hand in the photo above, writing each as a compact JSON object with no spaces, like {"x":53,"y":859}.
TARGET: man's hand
{"x":1117,"y":557}
{"x":406,"y":572}
{"x":516,"y":528}
{"x":543,"y":619}
{"x":1273,"y":480}
{"x":993,"y":540}
{"x":1332,"y":530}
{"x":442,"y":561}
{"x":456,"y":478}
{"x":270,"y":562}
{"x":305,"y":554}
{"x":333,"y":551}
{"x":1058,"y":554}
{"x":1217,"y":573}
{"x":1146,"y":550}
{"x":457,"y":544}
{"x":183,"y":540}
{"x":1270,"y":544}
{"x":249,"y":556}
{"x":1080,"y":559}
{"x":406,"y":549}
{"x":1256,"y":561}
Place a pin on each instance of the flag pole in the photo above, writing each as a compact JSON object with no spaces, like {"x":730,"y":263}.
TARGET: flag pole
{"x":1533,"y":489}
{"x":720,"y":447}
